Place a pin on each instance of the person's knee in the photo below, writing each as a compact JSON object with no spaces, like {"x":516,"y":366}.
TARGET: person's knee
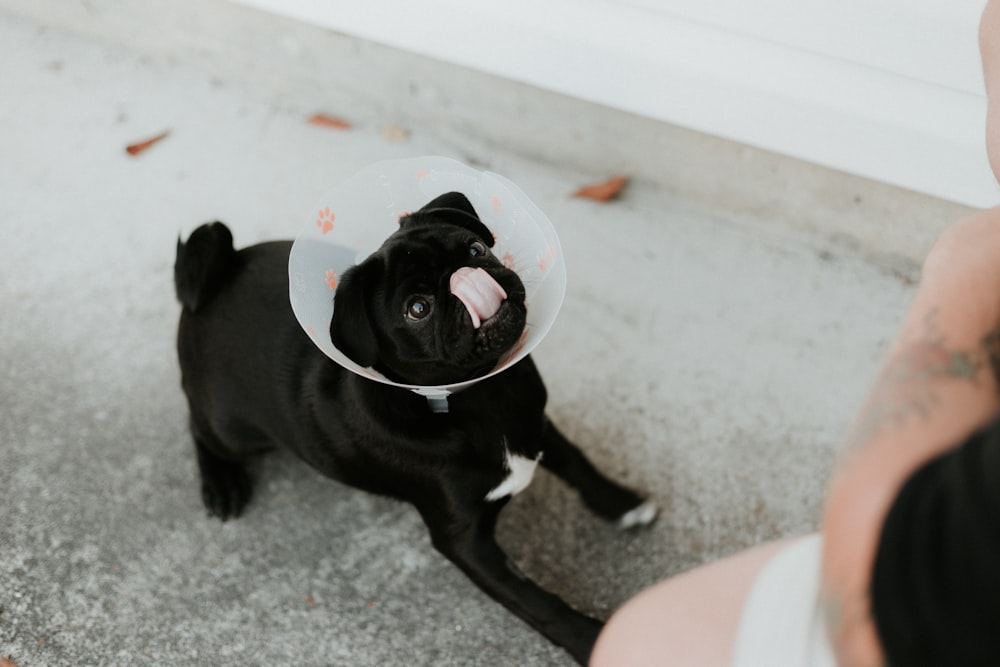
{"x":989,"y":51}
{"x":689,"y":620}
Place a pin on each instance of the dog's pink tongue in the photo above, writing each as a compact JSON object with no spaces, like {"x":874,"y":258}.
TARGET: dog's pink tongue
{"x":481,"y":294}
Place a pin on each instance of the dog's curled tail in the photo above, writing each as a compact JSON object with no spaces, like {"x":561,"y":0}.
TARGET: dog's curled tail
{"x":203,"y":264}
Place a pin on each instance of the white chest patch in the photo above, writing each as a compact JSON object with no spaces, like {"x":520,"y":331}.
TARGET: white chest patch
{"x":520,"y":470}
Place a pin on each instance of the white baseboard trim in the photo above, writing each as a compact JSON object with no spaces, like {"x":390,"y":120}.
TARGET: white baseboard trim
{"x":795,"y":82}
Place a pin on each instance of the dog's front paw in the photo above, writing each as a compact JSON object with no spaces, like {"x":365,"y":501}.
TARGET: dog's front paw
{"x":641,"y":515}
{"x":225,"y":490}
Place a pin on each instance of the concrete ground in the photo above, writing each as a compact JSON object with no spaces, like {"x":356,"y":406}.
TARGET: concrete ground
{"x":710,"y":351}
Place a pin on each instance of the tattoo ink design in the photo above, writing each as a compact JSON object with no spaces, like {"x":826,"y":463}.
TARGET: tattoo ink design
{"x":905,"y":387}
{"x":991,"y":346}
{"x":835,"y":615}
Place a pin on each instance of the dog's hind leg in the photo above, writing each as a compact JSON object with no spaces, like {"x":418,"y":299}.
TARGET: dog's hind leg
{"x":604,"y":497}
{"x":468,"y":541}
{"x":225,"y":484}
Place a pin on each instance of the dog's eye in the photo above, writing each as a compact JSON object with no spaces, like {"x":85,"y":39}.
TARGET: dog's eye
{"x":418,"y":308}
{"x":477,"y":249}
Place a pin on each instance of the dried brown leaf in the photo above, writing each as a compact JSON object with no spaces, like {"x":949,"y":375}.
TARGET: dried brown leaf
{"x":140,"y":146}
{"x":323,"y":120}
{"x":7,"y":662}
{"x":603,"y":191}
{"x":310,"y":601}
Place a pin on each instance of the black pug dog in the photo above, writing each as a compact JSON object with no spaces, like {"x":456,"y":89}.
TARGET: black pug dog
{"x":431,"y":306}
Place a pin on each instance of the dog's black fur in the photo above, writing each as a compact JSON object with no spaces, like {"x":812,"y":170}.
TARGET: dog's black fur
{"x":254,"y":381}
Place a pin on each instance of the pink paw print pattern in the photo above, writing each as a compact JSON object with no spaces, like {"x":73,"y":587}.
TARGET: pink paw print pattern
{"x":496,"y":204}
{"x":546,"y":260}
{"x":324,"y":220}
{"x":331,"y":279}
{"x":508,"y":260}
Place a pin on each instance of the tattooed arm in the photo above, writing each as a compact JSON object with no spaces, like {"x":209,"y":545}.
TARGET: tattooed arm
{"x":938,"y":384}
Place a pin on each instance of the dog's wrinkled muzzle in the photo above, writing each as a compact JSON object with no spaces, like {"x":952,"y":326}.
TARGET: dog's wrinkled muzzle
{"x":479,"y":293}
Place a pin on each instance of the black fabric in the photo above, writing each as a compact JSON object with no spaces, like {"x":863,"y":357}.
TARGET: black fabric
{"x":936,"y":581}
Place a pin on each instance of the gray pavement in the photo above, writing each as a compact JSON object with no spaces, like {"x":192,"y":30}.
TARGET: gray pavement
{"x":710,"y":355}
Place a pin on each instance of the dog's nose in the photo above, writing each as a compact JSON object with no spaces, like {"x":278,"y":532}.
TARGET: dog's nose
{"x":479,"y":292}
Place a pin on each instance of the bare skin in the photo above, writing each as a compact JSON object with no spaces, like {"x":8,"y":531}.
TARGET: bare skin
{"x":937,"y":384}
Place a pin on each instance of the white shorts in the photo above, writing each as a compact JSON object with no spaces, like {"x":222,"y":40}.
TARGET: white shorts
{"x":782,"y":623}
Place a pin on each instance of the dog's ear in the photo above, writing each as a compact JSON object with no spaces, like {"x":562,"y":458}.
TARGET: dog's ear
{"x":451,"y":200}
{"x":451,"y":208}
{"x":351,"y":326}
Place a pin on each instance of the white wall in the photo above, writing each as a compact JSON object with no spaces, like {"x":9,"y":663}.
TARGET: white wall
{"x":887,"y":89}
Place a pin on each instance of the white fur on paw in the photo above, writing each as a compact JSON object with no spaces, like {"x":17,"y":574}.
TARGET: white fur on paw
{"x":642,"y":515}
